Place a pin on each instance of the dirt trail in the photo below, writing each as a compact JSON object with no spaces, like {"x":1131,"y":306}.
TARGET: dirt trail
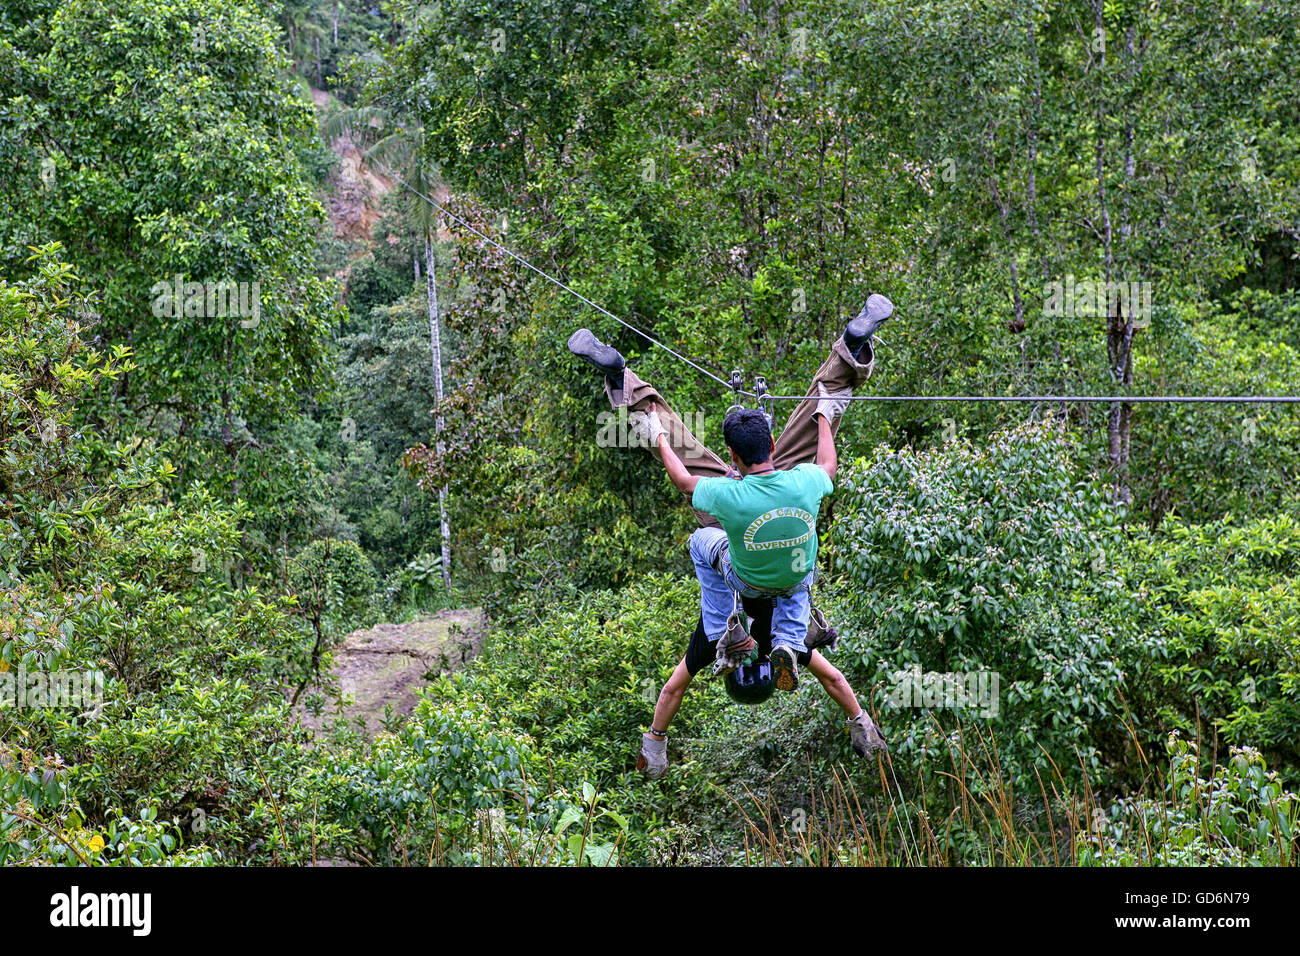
{"x":388,"y":663}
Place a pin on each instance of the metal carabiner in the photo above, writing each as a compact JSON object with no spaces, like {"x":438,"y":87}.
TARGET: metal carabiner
{"x":737,"y":383}
{"x":763,"y":401}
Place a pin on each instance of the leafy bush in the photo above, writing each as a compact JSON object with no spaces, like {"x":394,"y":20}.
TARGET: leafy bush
{"x":555,"y":708}
{"x":1239,"y":816}
{"x":987,"y":560}
{"x":425,"y":573}
{"x":104,"y":571}
{"x":583,"y":679}
{"x":1208,"y":461}
{"x":454,"y":786}
{"x":335,"y":584}
{"x":42,"y":825}
{"x":1215,"y":634}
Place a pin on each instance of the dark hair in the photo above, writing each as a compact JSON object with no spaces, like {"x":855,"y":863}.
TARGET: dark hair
{"x":748,"y":434}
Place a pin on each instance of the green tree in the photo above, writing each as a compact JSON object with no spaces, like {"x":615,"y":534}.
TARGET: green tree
{"x":107,"y":569}
{"x":401,"y":153}
{"x":160,"y":143}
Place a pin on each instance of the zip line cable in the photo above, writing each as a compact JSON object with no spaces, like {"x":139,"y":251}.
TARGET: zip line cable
{"x":1102,"y":399}
{"x":550,"y":278}
{"x":1094,"y":399}
{"x":1097,"y":399}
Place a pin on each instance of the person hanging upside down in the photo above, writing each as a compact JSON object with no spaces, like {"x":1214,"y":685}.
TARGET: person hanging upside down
{"x":758,"y":538}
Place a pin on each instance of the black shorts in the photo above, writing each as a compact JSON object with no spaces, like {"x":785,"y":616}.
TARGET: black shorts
{"x":701,"y":652}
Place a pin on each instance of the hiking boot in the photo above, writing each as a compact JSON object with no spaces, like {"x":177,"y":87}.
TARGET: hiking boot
{"x":858,"y":333}
{"x":785,"y":668}
{"x":604,"y":358}
{"x":653,"y":758}
{"x":866,"y":736}
{"x":821,"y":633}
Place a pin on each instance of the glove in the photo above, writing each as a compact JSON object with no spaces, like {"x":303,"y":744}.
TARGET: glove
{"x":735,"y":649}
{"x":646,"y":426}
{"x":832,"y":404}
{"x":653,"y":758}
{"x":821,"y":633}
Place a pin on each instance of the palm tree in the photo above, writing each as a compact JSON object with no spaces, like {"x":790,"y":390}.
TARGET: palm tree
{"x":401,"y":154}
{"x":299,"y":20}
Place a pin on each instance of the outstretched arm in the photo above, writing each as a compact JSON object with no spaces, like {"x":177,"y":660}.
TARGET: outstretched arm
{"x":649,"y":427}
{"x":826,"y":456}
{"x":677,"y":472}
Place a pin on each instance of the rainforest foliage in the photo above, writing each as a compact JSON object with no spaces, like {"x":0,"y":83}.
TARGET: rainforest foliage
{"x":222,"y":443}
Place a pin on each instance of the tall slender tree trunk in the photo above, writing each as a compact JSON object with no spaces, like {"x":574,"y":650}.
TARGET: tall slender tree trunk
{"x":435,"y":345}
{"x":1119,"y":327}
{"x":996,"y":194}
{"x":1127,"y":235}
{"x":1119,"y":333}
{"x":1035,"y":119}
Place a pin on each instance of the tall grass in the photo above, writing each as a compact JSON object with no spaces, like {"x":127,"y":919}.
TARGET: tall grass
{"x":1239,"y":815}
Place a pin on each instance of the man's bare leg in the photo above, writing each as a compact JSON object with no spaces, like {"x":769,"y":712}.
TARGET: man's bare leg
{"x":670,"y":699}
{"x":653,"y":759}
{"x":866,"y":736}
{"x":833,"y":682}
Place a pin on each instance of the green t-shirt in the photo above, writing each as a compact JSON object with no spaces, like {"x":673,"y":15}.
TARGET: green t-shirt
{"x":770,"y":520}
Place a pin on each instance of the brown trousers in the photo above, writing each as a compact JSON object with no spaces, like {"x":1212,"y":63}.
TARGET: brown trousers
{"x":798,"y":440}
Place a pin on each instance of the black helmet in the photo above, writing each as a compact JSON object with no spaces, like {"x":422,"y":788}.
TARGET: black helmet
{"x":752,"y":683}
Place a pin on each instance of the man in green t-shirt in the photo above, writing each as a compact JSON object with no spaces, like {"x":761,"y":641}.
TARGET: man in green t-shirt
{"x":767,"y":543}
{"x":774,"y":515}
